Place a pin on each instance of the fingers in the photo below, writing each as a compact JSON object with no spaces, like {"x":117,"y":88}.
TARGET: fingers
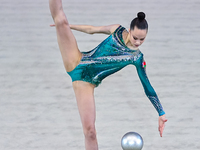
{"x":52,"y":25}
{"x":161,"y":134}
{"x":161,"y":130}
{"x":162,"y":126}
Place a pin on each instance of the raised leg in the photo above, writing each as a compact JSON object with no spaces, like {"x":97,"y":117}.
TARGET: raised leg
{"x":85,"y":100}
{"x":66,"y":40}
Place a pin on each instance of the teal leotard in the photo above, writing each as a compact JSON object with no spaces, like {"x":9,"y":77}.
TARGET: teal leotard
{"x":109,"y":57}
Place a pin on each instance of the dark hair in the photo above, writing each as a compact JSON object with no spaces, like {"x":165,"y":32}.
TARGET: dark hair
{"x":140,"y":22}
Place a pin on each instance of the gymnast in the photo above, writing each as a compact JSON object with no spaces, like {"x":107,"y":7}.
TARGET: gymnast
{"x":88,"y":69}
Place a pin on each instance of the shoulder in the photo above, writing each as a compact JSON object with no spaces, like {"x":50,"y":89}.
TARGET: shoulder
{"x":121,"y":31}
{"x":110,"y":29}
{"x":118,"y":28}
{"x":107,"y":29}
{"x":120,"y":34}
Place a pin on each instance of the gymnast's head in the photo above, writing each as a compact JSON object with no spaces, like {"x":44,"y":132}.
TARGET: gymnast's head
{"x":138,"y":30}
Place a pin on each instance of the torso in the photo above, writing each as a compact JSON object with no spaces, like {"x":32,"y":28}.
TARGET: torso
{"x":107,"y":58}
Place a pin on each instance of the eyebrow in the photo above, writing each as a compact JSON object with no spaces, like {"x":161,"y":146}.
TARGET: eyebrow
{"x":138,"y":38}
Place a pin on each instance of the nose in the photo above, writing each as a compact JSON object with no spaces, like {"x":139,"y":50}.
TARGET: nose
{"x":137,"y":42}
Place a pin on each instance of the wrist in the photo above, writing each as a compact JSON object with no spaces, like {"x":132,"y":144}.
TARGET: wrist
{"x":161,"y":113}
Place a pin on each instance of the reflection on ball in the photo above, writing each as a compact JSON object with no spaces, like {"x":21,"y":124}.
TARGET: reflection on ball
{"x":132,"y":141}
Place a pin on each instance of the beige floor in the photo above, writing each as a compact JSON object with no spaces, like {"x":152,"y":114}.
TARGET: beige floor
{"x":37,"y":104}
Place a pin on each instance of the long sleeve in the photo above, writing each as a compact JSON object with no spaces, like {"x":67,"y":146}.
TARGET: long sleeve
{"x":149,"y":91}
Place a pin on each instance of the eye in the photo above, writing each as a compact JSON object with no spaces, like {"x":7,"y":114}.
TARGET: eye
{"x":142,"y":39}
{"x":135,"y":38}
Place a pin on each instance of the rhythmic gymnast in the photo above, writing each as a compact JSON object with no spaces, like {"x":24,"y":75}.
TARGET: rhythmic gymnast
{"x":88,"y":69}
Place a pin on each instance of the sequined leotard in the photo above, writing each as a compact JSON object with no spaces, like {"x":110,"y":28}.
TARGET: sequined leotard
{"x":109,"y":57}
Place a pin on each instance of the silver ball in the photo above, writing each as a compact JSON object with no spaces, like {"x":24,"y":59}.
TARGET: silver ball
{"x":132,"y":141}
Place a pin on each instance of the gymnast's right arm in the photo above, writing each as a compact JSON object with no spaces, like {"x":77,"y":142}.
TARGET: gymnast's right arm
{"x":89,"y":29}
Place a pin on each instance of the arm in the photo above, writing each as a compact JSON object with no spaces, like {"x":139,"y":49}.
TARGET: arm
{"x":151,"y":94}
{"x":58,"y":16}
{"x":94,"y":29}
{"x":149,"y":91}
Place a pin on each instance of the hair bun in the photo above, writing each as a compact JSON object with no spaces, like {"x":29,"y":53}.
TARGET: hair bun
{"x":141,"y":16}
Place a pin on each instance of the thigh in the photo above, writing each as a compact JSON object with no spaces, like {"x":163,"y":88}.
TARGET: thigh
{"x":86,"y":104}
{"x":67,"y":43}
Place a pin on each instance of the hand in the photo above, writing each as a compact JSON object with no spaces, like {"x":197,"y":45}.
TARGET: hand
{"x":161,"y":122}
{"x":52,"y":25}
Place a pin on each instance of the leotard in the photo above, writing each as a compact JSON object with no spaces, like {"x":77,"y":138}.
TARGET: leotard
{"x":109,"y":57}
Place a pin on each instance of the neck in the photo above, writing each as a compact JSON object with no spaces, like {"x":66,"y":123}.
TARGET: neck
{"x":127,"y":39}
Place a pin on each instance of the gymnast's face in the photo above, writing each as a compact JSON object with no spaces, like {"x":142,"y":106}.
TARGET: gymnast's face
{"x":137,"y":36}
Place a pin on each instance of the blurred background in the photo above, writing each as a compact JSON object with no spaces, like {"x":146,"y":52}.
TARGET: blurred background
{"x":37,"y":103}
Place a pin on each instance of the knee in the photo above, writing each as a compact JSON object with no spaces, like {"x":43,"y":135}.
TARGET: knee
{"x":90,"y":132}
{"x":61,"y":20}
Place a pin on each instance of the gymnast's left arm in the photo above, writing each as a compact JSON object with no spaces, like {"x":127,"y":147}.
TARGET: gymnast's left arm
{"x":151,"y":94}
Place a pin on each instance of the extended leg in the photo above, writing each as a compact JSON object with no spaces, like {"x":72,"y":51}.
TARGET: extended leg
{"x":66,"y":40}
{"x":85,"y":100}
